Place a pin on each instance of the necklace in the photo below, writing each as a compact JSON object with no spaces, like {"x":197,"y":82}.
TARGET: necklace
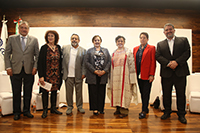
{"x":52,"y":47}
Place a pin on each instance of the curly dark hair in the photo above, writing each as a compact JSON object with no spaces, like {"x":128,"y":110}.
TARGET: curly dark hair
{"x":55,"y":34}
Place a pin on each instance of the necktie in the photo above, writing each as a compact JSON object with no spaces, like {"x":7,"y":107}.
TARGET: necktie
{"x":23,"y":43}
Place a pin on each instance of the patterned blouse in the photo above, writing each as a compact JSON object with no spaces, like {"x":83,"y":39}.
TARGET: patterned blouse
{"x":53,"y":72}
{"x":99,"y":59}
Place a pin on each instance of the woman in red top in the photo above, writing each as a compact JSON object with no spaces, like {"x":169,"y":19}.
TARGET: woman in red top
{"x":145,"y":64}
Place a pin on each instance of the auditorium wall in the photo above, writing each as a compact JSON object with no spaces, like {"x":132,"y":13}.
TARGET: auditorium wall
{"x":110,"y":17}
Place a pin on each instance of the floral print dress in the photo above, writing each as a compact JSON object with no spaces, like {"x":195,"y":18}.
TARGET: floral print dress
{"x":53,"y":72}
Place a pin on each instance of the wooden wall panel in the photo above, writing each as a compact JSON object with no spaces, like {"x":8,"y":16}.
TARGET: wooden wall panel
{"x":110,"y":17}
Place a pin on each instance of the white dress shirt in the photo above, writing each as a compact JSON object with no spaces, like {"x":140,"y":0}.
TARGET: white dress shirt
{"x":171,"y":44}
{"x":72,"y":60}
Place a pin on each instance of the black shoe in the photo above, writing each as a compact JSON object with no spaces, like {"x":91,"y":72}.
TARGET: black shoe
{"x":165,"y":116}
{"x":44,"y":114}
{"x":117,"y":113}
{"x":182,"y":119}
{"x":29,"y":115}
{"x":101,"y":112}
{"x":142,"y":115}
{"x":95,"y":113}
{"x":55,"y":111}
{"x":143,"y":111}
{"x":123,"y":115}
{"x":16,"y":117}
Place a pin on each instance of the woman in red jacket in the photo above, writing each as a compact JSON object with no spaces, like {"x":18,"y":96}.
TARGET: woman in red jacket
{"x":145,"y":64}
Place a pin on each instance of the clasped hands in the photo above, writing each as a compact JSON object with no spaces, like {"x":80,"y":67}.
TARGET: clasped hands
{"x":172,"y":64}
{"x":99,"y":72}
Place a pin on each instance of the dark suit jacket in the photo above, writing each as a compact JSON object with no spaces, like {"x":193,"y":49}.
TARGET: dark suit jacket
{"x":181,"y":53}
{"x":148,"y":63}
{"x":90,"y":66}
{"x":14,"y":55}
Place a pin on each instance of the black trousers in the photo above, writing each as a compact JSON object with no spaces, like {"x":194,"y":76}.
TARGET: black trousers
{"x":145,"y":89}
{"x":180,"y":84}
{"x":17,"y":80}
{"x":45,"y":99}
{"x":97,"y":95}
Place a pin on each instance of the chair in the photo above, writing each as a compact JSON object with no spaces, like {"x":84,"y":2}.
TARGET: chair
{"x":6,"y":96}
{"x":194,"y":92}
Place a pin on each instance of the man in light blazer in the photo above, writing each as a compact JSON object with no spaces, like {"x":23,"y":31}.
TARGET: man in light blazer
{"x":172,"y":54}
{"x":74,"y":72}
{"x":21,"y":55}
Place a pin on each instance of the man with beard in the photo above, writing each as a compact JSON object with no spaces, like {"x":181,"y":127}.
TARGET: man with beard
{"x":74,"y":72}
{"x":172,"y":54}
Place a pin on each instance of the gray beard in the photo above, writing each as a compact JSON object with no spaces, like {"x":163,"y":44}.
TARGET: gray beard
{"x":170,"y":36}
{"x":74,"y":44}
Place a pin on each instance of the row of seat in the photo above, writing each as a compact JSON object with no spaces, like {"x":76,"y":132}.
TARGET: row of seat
{"x":6,"y":101}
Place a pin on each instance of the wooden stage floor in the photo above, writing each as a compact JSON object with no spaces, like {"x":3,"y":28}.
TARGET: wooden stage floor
{"x":107,"y":123}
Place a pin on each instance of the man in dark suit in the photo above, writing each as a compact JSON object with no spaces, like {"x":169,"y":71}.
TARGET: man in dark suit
{"x":172,"y":54}
{"x":20,"y":57}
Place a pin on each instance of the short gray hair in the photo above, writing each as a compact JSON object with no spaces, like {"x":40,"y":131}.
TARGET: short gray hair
{"x":74,"y":34}
{"x":168,"y":24}
{"x":24,"y":22}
